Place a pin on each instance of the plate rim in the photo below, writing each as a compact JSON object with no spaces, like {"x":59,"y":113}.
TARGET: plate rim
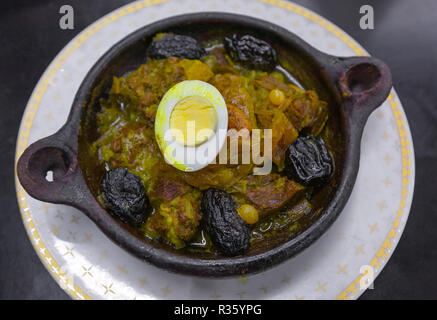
{"x":407,"y":150}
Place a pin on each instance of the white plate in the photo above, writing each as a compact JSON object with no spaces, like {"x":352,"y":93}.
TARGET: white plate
{"x":88,"y":265}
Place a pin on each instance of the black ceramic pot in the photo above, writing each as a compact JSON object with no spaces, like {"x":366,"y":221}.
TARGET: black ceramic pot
{"x":352,"y":86}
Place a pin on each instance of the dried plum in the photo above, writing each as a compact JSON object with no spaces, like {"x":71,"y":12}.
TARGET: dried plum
{"x":251,"y":52}
{"x":308,"y":161}
{"x":228,"y":231}
{"x":124,"y":196}
{"x":175,"y":45}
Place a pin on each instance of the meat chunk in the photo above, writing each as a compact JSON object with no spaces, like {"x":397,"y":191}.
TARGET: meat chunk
{"x":234,"y":90}
{"x":284,"y":134}
{"x":271,"y":83}
{"x":196,"y":70}
{"x":221,"y":65}
{"x":270,"y":192}
{"x":166,"y":189}
{"x":306,"y":111}
{"x":237,"y":119}
{"x":176,"y":221}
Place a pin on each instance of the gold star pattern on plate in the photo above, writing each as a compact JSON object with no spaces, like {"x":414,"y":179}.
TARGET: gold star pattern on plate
{"x":59,"y":215}
{"x":55,"y":229}
{"x":45,"y":207}
{"x":108,"y":289}
{"x":299,"y":298}
{"x":385,"y":136}
{"x":74,"y":219}
{"x":387,"y":181}
{"x":48,"y":117}
{"x":360,"y":250}
{"x":87,"y":237}
{"x":342,"y":269}
{"x":382,"y":205}
{"x":321,"y":286}
{"x":166,"y":291}
{"x":143,"y":282}
{"x":373,"y":228}
{"x":122,"y":269}
{"x":388,"y":159}
{"x":87,"y":271}
{"x":69,"y":251}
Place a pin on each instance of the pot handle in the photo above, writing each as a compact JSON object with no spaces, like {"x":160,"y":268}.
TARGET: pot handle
{"x":364,"y":84}
{"x":50,"y":154}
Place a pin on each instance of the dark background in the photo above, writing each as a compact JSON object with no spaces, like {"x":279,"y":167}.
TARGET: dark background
{"x":404,"y":37}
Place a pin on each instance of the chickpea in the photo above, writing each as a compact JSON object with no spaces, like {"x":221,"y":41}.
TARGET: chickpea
{"x":276,"y":97}
{"x":248,"y":213}
{"x":278,"y":76}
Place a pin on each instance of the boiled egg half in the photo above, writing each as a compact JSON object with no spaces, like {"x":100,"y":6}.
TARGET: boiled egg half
{"x":191,"y":125}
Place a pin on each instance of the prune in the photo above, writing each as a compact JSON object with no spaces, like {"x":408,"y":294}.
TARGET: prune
{"x":175,"y":45}
{"x":124,"y":196}
{"x":228,"y":231}
{"x":251,"y":52}
{"x":308,"y":161}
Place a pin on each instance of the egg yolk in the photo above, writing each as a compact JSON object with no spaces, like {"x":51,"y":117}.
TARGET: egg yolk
{"x":193,"y":121}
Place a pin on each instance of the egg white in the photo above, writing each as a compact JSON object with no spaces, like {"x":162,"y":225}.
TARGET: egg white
{"x":183,"y":157}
